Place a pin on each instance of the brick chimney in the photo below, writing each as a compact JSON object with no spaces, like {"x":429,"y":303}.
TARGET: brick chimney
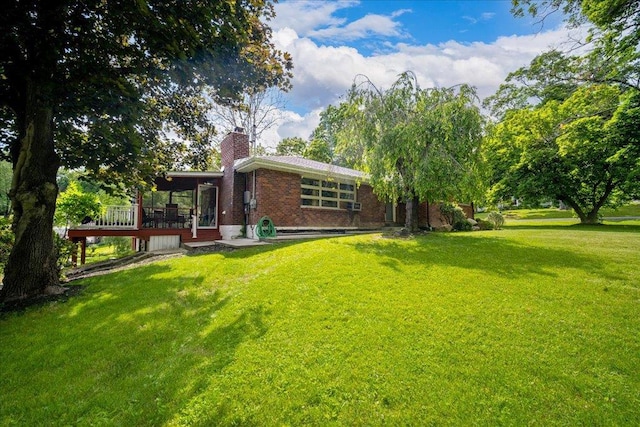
{"x":233,"y":147}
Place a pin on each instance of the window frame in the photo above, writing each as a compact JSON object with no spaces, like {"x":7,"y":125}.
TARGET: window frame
{"x":327,"y":193}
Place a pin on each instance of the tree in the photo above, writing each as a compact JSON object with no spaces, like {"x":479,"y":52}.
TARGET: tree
{"x":291,"y":147}
{"x":90,"y":83}
{"x":74,"y":205}
{"x":258,"y":110}
{"x":584,"y":150}
{"x":419,"y":144}
{"x":614,"y":57}
{"x":319,"y":150}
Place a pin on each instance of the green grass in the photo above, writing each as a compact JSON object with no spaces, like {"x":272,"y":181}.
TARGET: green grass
{"x":521,"y":326}
{"x":631,"y":209}
{"x":99,"y":253}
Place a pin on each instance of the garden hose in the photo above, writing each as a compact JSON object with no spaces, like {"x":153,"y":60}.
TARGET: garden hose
{"x":265,"y":228}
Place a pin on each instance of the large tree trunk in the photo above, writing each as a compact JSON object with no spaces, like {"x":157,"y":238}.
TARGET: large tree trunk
{"x":586,"y":218}
{"x":411,"y":217}
{"x":32,"y":265}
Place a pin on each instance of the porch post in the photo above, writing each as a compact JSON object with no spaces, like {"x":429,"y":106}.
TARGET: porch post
{"x":138,"y":224}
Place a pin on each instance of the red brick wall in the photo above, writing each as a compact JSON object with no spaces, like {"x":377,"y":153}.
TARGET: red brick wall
{"x":432,"y":216}
{"x":373,"y":210}
{"x":234,"y":146}
{"x":278,"y":197}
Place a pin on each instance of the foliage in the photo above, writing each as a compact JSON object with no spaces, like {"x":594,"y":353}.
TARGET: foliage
{"x":484,"y":224}
{"x":628,"y":210}
{"x":453,"y":215}
{"x":5,"y":187}
{"x":74,"y":206}
{"x":6,"y":240}
{"x":121,"y":245}
{"x":103,"y":85}
{"x":419,"y":144}
{"x":295,"y":146}
{"x":496,"y":219}
{"x":319,"y":151}
{"x":449,"y":328}
{"x":614,"y":57}
{"x":583,"y":150}
{"x":328,"y":146}
{"x":64,"y":248}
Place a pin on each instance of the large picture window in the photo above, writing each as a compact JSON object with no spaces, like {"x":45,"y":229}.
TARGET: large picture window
{"x":327,"y":194}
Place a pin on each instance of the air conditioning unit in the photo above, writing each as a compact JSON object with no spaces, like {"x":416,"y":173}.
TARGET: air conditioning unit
{"x":354,"y":206}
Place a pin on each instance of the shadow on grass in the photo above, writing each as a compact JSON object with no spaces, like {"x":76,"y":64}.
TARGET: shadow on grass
{"x":493,"y":255}
{"x":139,"y":349}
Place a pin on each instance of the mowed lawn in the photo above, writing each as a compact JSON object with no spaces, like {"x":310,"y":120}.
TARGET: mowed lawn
{"x":521,"y":326}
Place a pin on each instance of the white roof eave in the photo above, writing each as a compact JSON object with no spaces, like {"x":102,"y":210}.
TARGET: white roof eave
{"x":250,"y":164}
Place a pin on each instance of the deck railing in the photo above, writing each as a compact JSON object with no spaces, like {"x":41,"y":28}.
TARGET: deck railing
{"x":116,"y":217}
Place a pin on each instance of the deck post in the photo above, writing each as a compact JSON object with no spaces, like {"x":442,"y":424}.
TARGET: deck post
{"x":74,"y":254}
{"x":83,"y":250}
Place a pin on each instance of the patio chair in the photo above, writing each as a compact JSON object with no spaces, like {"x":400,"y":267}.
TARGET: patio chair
{"x":172,"y":217}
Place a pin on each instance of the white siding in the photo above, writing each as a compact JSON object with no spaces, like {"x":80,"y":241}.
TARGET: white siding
{"x":158,"y":243}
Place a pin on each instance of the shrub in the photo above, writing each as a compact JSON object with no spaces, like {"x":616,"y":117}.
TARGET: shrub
{"x":484,"y":224}
{"x":455,"y":216}
{"x":496,"y":219}
{"x":63,"y":248}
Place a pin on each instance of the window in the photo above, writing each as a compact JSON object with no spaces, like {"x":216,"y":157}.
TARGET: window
{"x":327,"y":194}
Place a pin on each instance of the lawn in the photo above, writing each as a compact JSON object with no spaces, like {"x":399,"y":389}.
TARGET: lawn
{"x":521,"y":326}
{"x":631,"y":209}
{"x":111,"y":248}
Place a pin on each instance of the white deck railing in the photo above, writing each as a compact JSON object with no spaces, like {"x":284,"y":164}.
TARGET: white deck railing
{"x":116,"y":217}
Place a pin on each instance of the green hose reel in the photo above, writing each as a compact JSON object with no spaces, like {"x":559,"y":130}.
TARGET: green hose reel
{"x":265,"y":228}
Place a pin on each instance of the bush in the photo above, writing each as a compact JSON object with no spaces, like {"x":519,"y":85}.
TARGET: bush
{"x":484,"y":225}
{"x":455,"y":216}
{"x":63,"y":248}
{"x":496,"y":219}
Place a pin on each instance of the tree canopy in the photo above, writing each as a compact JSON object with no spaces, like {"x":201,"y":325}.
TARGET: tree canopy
{"x":294,"y":146}
{"x":98,"y":84}
{"x":417,"y":144}
{"x":568,"y":124}
{"x":614,"y":56}
{"x":583,"y":150}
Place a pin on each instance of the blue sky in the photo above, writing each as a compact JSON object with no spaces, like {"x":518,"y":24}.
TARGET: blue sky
{"x":444,"y":42}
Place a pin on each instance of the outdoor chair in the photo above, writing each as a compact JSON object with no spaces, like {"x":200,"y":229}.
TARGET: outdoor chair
{"x":172,"y":217}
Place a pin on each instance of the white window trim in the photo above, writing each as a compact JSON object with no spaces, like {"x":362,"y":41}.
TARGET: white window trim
{"x":320,"y":198}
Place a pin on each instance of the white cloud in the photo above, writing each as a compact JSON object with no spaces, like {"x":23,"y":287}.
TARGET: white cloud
{"x":292,"y":124}
{"x":323,"y":74}
{"x":306,"y":16}
{"x":316,"y":19}
{"x":369,"y":25}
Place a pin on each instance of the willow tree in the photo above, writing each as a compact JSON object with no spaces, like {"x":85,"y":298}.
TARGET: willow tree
{"x":418,"y":144}
{"x":91,"y":83}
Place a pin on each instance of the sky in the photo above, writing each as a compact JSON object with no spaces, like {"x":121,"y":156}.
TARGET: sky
{"x":444,"y":43}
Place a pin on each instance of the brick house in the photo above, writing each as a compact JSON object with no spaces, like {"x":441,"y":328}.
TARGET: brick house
{"x":297,"y":194}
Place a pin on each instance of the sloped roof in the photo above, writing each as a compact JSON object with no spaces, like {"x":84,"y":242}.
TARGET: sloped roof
{"x":298,"y":165}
